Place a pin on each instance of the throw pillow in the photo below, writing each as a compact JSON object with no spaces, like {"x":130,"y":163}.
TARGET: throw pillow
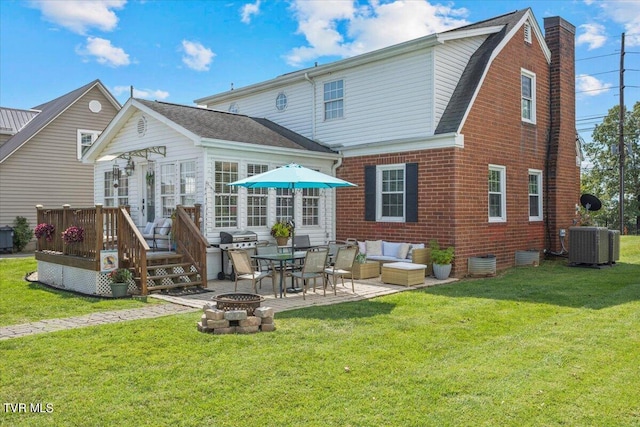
{"x":362,"y":247}
{"x":403,"y":252}
{"x":148,"y":229}
{"x":166,"y":227}
{"x":374,"y":247}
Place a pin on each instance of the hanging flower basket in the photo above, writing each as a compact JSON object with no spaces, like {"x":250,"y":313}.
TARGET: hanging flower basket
{"x":73,"y":234}
{"x":45,"y":230}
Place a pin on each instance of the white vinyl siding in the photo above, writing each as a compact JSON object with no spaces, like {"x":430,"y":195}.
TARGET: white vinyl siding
{"x":535,"y":195}
{"x":497,"y":193}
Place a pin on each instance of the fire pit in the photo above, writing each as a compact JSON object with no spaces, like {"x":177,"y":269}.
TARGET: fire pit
{"x":248,"y":302}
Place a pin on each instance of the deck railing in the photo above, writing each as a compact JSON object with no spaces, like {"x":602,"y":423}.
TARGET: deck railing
{"x":190,"y":243}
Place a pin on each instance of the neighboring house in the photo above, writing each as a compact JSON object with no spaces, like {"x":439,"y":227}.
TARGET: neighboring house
{"x":465,"y":136}
{"x":162,"y":155}
{"x":41,"y":150}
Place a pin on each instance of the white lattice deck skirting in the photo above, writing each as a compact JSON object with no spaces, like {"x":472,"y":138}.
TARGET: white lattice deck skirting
{"x":77,"y":279}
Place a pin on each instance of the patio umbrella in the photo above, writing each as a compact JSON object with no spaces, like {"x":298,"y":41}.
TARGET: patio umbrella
{"x":292,"y":176}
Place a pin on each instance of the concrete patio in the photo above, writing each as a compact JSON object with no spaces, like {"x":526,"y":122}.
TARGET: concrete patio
{"x":364,"y":289}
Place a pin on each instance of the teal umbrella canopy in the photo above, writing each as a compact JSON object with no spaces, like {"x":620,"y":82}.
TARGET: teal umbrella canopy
{"x":292,"y":176}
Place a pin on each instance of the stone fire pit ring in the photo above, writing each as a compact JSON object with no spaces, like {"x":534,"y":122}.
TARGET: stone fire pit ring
{"x":238,"y":301}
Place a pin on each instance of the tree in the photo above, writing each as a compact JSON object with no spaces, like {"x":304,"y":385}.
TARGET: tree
{"x":601,"y":178}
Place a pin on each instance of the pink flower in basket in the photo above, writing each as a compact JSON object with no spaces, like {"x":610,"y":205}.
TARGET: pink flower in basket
{"x":45,"y":230}
{"x":73,"y":234}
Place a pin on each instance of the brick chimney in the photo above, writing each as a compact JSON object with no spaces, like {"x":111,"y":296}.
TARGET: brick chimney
{"x":563,"y":164}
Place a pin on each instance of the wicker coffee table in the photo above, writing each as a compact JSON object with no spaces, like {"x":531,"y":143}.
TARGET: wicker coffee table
{"x":403,"y":273}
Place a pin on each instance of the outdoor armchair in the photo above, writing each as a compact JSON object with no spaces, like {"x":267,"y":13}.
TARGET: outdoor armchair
{"x":244,"y":270}
{"x":315,"y":262}
{"x":344,"y":260}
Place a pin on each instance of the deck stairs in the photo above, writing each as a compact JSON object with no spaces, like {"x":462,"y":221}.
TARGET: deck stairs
{"x":168,"y":270}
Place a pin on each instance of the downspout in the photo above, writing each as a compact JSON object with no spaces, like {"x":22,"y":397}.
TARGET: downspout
{"x":334,"y":168}
{"x":313,"y":106}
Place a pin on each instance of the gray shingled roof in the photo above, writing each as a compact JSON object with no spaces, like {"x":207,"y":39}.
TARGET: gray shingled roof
{"x":49,"y":111}
{"x":233,"y":127}
{"x":452,"y":117}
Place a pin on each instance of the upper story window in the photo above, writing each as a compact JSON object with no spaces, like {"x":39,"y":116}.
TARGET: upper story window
{"x":497,"y":194}
{"x":86,"y":138}
{"x":334,"y":99}
{"x":535,"y":195}
{"x":281,"y":101}
{"x":528,"y":95}
{"x":233,"y":108}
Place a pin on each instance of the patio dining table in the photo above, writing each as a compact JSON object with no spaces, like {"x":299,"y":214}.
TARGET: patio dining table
{"x":281,"y":258}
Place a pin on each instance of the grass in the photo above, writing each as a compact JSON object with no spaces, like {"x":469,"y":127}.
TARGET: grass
{"x":24,"y":302}
{"x":545,"y":346}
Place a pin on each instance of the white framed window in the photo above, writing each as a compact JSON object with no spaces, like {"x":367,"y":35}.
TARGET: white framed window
{"x":284,"y":204}
{"x":390,"y":185}
{"x":167,"y":189}
{"x":281,"y":101}
{"x":528,"y":96}
{"x":535,"y":195}
{"x":226,"y":197}
{"x":257,"y":198}
{"x":116,"y":196}
{"x":497,"y":193}
{"x":234,"y":108}
{"x":86,"y":138}
{"x":188,"y":183}
{"x":311,"y":206}
{"x":334,"y":99}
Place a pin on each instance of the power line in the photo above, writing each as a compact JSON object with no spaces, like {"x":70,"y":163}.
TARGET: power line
{"x":595,"y":57}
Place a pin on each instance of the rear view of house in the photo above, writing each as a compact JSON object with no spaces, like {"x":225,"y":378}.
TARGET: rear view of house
{"x":41,"y":149}
{"x":465,"y":136}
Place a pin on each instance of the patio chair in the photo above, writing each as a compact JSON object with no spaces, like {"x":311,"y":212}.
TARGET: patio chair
{"x":244,"y":270}
{"x":344,"y":259}
{"x":302,"y":242}
{"x":315,"y":262}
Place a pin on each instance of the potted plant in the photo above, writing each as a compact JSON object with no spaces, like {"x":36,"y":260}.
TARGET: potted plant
{"x":73,"y":234}
{"x":281,"y":230}
{"x":442,"y":259}
{"x":120,"y":278}
{"x":45,"y":230}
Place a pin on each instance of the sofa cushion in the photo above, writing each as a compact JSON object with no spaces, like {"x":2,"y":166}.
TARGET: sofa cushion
{"x":362,"y":247}
{"x":391,"y":248}
{"x":165,"y":228}
{"x":374,"y":247}
{"x":148,"y":229}
{"x":403,"y":252}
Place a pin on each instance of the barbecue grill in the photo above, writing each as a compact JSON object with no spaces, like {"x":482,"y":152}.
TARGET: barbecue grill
{"x":234,"y":240}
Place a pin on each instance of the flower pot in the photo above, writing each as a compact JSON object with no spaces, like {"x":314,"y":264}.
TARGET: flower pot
{"x":482,"y":265}
{"x":441,"y":271}
{"x":282,"y":241}
{"x":119,"y":290}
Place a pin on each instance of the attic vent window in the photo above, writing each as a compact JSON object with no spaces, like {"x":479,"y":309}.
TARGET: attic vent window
{"x":95,"y":106}
{"x":281,"y":101}
{"x":142,"y":126}
{"x":527,"y":32}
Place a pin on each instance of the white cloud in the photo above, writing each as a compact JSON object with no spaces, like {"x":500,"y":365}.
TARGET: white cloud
{"x":593,"y":35}
{"x":248,"y":10}
{"x":197,"y":57}
{"x":104,"y":52}
{"x":587,"y":85}
{"x":80,"y":15}
{"x":141,"y":93}
{"x":326,"y":24}
{"x":625,"y":13}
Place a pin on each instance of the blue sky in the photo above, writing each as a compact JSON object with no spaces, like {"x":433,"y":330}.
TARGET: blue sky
{"x":178,"y":51}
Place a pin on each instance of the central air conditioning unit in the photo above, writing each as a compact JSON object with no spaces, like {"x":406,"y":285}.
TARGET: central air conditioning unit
{"x":588,"y":245}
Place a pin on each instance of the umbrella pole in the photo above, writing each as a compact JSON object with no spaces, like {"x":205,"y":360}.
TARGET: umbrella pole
{"x":293,"y":288}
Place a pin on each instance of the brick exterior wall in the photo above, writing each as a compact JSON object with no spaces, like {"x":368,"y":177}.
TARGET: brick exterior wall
{"x":453,"y":184}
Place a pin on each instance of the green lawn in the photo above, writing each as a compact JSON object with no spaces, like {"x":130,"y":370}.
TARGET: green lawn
{"x":545,"y":346}
{"x":23,"y":302}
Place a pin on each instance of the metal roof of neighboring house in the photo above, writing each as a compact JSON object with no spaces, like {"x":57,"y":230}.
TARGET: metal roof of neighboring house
{"x":471,"y":76}
{"x":14,"y":119}
{"x":48,"y":112}
{"x":219,"y":125}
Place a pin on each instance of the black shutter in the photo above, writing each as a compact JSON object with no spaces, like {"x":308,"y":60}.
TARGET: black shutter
{"x":411,"y":208}
{"x":370,"y":193}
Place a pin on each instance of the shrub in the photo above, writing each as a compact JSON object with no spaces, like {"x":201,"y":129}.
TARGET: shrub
{"x":22,"y":233}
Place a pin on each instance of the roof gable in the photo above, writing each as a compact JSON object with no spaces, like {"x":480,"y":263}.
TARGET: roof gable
{"x":49,"y":111}
{"x":203,"y":125}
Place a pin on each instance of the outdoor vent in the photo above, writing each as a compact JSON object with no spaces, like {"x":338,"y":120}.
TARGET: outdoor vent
{"x":588,"y":245}
{"x":142,"y":126}
{"x":527,"y":32}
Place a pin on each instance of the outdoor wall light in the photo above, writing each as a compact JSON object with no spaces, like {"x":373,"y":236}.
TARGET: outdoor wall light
{"x":130,"y":167}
